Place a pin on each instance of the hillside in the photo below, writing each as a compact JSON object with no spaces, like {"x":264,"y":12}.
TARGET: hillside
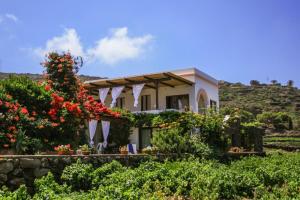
{"x":261,"y":97}
{"x":40,"y":77}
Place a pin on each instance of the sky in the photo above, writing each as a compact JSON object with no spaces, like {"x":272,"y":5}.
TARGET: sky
{"x":232,"y":40}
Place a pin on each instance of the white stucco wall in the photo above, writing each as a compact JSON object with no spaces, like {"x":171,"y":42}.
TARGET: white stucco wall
{"x":202,"y":82}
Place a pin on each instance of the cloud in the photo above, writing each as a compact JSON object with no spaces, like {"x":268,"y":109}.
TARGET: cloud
{"x":11,"y":17}
{"x":68,"y":41}
{"x":8,"y":17}
{"x":118,"y":47}
{"x":109,"y":50}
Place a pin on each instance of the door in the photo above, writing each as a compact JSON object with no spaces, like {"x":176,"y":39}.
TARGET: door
{"x":145,"y":135}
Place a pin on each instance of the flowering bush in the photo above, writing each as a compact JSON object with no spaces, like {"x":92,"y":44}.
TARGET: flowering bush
{"x":54,"y":112}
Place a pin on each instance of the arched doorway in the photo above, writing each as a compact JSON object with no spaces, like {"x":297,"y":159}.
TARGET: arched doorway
{"x":202,"y":101}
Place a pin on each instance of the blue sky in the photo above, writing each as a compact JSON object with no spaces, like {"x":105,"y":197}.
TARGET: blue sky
{"x":232,"y":40}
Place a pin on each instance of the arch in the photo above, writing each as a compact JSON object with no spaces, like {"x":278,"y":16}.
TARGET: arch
{"x":202,"y":101}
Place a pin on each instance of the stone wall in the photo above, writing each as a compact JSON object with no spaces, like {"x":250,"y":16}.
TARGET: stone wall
{"x":23,"y":169}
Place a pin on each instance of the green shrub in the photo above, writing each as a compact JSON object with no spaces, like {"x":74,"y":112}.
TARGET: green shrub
{"x":78,"y":175}
{"x":198,"y":148}
{"x":271,"y":177}
{"x":99,"y":175}
{"x":170,"y":140}
{"x":276,"y":120}
{"x":47,"y":188}
{"x":19,"y":194}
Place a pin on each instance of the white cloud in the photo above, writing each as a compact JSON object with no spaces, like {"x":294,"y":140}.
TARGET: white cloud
{"x":8,"y":17}
{"x":110,"y":50}
{"x":68,"y":41}
{"x":118,"y":47}
{"x":11,"y":17}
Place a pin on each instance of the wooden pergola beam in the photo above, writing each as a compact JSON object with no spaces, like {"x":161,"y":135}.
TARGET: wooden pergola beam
{"x":130,"y":83}
{"x":161,"y":82}
{"x":170,"y":75}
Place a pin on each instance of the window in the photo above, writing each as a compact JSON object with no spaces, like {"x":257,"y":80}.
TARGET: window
{"x":146,"y":102}
{"x":120,"y":102}
{"x":202,"y":105}
{"x":213,"y":105}
{"x":177,"y":102}
{"x":145,"y":135}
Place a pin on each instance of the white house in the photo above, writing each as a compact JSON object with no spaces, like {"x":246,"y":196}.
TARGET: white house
{"x":182,"y":90}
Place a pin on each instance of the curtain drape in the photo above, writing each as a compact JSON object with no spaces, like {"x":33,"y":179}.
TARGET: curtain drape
{"x":136,"y":93}
{"x":105,"y":130}
{"x":92,"y":130}
{"x":115,"y":93}
{"x":102,"y":94}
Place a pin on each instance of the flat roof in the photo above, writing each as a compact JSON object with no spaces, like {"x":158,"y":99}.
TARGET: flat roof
{"x":196,"y":72}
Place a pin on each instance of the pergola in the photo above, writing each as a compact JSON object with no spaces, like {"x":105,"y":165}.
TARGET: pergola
{"x":153,"y":81}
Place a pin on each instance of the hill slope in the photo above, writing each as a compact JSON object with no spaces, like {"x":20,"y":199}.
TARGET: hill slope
{"x":261,"y":97}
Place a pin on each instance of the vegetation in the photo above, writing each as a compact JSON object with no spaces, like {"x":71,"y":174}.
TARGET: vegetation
{"x":36,"y":116}
{"x":258,"y":98}
{"x":288,"y":143}
{"x":249,"y":178}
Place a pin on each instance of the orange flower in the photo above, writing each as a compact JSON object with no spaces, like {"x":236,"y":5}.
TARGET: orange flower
{"x":47,"y":87}
{"x":17,"y":118}
{"x":6,"y":145}
{"x":62,"y":120}
{"x":24,"y":111}
{"x":40,"y":127}
{"x":54,"y":124}
{"x":12,"y":140}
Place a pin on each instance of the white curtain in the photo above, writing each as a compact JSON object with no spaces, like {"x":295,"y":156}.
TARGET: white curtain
{"x":136,"y":93}
{"x":115,"y":93}
{"x":179,"y":104}
{"x":105,"y":130}
{"x":92,"y":130}
{"x":102,"y":94}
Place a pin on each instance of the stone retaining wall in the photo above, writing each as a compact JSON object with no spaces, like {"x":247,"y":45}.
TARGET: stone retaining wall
{"x":23,"y":169}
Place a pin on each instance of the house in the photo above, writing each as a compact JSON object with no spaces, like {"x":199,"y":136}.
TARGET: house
{"x":182,"y":90}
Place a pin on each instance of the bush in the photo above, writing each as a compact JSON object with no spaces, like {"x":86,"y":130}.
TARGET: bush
{"x":49,"y":113}
{"x":271,"y":177}
{"x":170,"y":140}
{"x":20,"y":193}
{"x":198,"y":148}
{"x":47,"y":188}
{"x":99,"y":175}
{"x":78,"y":175}
{"x":276,"y":120}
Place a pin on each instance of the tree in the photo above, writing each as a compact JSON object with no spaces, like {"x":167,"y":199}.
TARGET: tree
{"x":254,"y":83}
{"x":290,"y":83}
{"x":274,"y":82}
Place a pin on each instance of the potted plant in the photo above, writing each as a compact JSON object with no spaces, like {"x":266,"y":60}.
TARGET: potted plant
{"x":64,"y":149}
{"x":150,"y":150}
{"x":85,"y":150}
{"x":123,"y":150}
